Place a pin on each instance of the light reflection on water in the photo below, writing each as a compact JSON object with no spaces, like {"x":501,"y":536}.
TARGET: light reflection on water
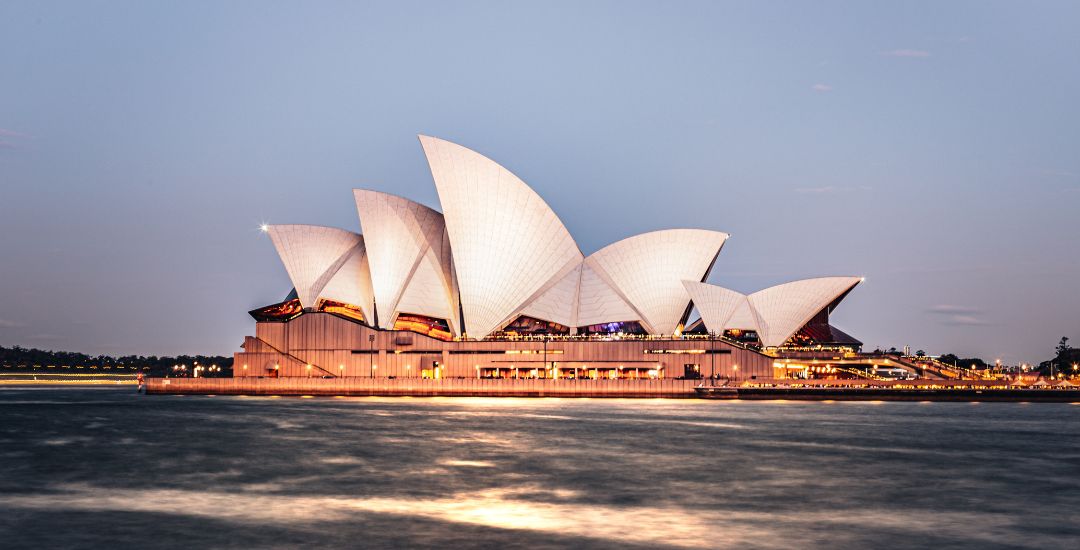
{"x":107,"y":468}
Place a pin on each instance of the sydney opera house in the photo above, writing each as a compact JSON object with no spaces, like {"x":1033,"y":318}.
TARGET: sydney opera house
{"x":494,"y":286}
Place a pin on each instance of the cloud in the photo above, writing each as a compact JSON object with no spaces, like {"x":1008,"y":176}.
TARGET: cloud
{"x":5,"y":323}
{"x":821,"y":88}
{"x":1060,"y":173}
{"x":816,"y":190}
{"x":958,"y":315}
{"x":828,"y":189}
{"x":906,"y":53}
{"x":7,"y":138}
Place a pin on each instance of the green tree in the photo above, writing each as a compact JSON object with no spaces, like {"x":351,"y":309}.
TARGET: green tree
{"x":1063,"y":347}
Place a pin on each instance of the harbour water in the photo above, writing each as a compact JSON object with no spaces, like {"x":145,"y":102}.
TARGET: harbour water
{"x":107,"y":468}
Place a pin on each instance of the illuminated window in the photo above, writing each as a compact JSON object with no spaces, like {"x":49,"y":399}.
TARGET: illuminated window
{"x":341,"y":308}
{"x":278,"y":313}
{"x":525,"y":325}
{"x":620,"y":327}
{"x":422,"y":324}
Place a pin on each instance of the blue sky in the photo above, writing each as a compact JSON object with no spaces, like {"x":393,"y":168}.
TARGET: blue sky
{"x":929,"y":146}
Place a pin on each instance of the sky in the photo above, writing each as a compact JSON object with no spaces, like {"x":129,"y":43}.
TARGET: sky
{"x":932,"y":147}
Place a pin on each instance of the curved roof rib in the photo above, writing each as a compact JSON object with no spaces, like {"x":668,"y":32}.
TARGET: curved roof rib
{"x":508,"y":244}
{"x":743,"y":317}
{"x":647,"y":271}
{"x":409,"y":257}
{"x":716,"y":304}
{"x":558,"y":304}
{"x":352,"y":283}
{"x":782,"y":310}
{"x":312,"y":255}
{"x":599,"y":303}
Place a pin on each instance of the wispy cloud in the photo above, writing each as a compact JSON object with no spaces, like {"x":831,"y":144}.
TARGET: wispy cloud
{"x":816,"y":190}
{"x":5,"y":323}
{"x":949,"y":314}
{"x":8,"y":138}
{"x":1060,"y":173}
{"x":821,"y":88}
{"x":906,"y":53}
{"x":827,"y":189}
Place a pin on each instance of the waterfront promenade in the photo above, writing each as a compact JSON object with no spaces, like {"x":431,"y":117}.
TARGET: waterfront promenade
{"x":908,"y":390}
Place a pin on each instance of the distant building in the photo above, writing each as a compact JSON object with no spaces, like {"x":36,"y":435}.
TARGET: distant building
{"x":495,"y":286}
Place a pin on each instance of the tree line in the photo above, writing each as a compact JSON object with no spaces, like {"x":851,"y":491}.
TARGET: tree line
{"x":19,"y":358}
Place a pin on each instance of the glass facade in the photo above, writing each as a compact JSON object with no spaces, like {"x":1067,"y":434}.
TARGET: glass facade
{"x":422,"y":324}
{"x":278,"y":313}
{"x":620,"y":327}
{"x":525,"y":325}
{"x":343,"y":309}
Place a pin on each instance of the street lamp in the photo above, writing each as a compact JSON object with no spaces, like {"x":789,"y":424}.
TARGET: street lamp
{"x":546,"y":338}
{"x":371,"y":353}
{"x":712,"y":359}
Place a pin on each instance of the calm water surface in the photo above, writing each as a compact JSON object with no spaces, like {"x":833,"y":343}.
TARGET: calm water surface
{"x":111,"y":469}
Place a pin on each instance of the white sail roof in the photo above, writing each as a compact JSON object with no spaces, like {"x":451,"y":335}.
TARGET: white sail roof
{"x":312,"y":255}
{"x":743,"y":317}
{"x":717,"y":305}
{"x":507,"y":242}
{"x":776,"y":313}
{"x":782,"y":310}
{"x":352,"y":283}
{"x":599,"y":303}
{"x":558,"y":303}
{"x":427,"y":294}
{"x":647,"y":270}
{"x":409,"y":257}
